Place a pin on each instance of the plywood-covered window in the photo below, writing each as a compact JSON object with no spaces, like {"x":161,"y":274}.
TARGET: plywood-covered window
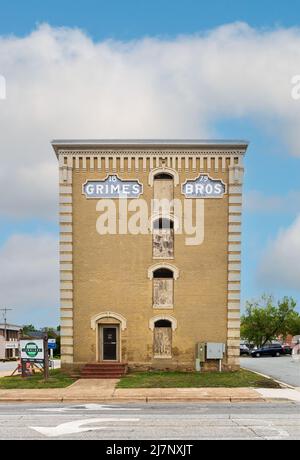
{"x":163,"y":239}
{"x":162,"y":339}
{"x":163,"y":187}
{"x":163,"y":287}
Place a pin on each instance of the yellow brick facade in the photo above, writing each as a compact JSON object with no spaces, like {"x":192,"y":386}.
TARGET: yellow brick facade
{"x":105,"y":278}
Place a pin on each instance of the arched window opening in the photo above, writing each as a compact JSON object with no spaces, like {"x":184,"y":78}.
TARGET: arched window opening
{"x":163,"y":187}
{"x":163,"y":286}
{"x":163,"y":323}
{"x":163,"y":176}
{"x":162,"y":339}
{"x":163,"y":273}
{"x":163,"y":239}
{"x":164,"y":173}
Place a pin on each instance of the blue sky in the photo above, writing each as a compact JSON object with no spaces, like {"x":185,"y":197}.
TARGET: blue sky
{"x":272,"y":187}
{"x":130,"y":19}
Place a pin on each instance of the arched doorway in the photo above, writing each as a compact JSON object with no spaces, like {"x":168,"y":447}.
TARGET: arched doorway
{"x":108,"y":326}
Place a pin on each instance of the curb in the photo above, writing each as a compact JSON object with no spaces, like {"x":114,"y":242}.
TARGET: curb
{"x":142,"y":399}
{"x":30,"y":400}
{"x":284,"y":385}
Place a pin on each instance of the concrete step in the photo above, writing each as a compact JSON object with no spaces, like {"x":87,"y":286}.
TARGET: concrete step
{"x":108,"y":369}
{"x":105,"y":365}
{"x":104,"y":376}
{"x":97,"y":368}
{"x":103,"y":370}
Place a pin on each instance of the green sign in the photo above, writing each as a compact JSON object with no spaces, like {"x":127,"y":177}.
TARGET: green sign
{"x":32,"y":350}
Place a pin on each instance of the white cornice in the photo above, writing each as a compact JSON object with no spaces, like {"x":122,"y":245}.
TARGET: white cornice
{"x":149,"y":147}
{"x":148,"y":153}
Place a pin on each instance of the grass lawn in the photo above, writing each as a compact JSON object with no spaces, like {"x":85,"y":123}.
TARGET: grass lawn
{"x":157,"y":379}
{"x":57,"y":379}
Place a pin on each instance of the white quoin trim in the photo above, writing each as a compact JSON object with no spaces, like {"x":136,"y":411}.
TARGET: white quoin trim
{"x":155,"y":267}
{"x":164,"y":170}
{"x":172,"y":320}
{"x":108,"y":314}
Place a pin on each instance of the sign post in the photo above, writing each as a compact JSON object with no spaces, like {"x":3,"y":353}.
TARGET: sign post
{"x":46,"y":358}
{"x":51,"y":346}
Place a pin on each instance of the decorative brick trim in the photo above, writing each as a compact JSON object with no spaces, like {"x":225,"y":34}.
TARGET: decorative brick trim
{"x":66,"y":332}
{"x":66,"y":313}
{"x":156,"y":318}
{"x":108,"y":314}
{"x":235,"y":209}
{"x":234,"y":261}
{"x":166,"y":265}
{"x":235,"y":218}
{"x":163,"y":170}
{"x":234,"y":315}
{"x":233,"y":334}
{"x":234,"y":286}
{"x":66,"y":257}
{"x":67,"y":341}
{"x":190,"y":160}
{"x":66,"y":322}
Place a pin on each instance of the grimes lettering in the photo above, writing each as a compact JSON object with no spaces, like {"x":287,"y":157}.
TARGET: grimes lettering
{"x":112,"y":187}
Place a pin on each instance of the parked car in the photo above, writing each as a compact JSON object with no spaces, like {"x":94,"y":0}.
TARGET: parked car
{"x":244,"y":350}
{"x":268,"y":350}
{"x":288,"y":350}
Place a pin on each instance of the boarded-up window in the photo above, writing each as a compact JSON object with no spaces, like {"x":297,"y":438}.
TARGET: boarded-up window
{"x":163,"y":239}
{"x":163,"y":194}
{"x":162,"y":340}
{"x":163,"y":187}
{"x":162,"y":292}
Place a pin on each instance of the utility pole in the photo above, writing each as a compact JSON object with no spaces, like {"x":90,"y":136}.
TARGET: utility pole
{"x":5,"y":310}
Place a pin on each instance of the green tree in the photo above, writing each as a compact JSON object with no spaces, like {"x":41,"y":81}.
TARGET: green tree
{"x":264,"y":321}
{"x":51,"y":331}
{"x":28,"y":328}
{"x":294,"y":325}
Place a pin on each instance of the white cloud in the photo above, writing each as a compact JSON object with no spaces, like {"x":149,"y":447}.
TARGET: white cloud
{"x":280,"y":264}
{"x":258,"y":202}
{"x":61,"y":84}
{"x":29,"y":278}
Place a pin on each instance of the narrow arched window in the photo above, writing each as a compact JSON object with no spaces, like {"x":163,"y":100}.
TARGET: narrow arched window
{"x":163,"y":186}
{"x":162,"y":339}
{"x":163,"y":287}
{"x":163,"y":239}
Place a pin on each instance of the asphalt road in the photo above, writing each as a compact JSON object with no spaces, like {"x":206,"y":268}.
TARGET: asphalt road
{"x":285,"y":368}
{"x":151,"y":421}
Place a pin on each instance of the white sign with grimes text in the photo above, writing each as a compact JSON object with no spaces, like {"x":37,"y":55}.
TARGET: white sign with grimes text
{"x":112,"y":188}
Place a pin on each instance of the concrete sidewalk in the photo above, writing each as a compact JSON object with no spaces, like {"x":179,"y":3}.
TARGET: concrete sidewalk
{"x":105,"y":391}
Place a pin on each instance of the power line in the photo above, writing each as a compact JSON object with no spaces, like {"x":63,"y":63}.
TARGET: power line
{"x":5,"y":310}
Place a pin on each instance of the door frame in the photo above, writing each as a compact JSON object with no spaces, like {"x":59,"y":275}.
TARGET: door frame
{"x":100,"y":347}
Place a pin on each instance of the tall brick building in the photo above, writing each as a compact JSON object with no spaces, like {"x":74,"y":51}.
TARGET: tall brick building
{"x":146,"y":293}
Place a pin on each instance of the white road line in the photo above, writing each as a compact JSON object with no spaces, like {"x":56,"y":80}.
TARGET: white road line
{"x":77,"y":426}
{"x":94,"y":407}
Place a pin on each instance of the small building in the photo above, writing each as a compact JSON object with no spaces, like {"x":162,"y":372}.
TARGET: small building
{"x":146,"y":290}
{"x":9,"y":345}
